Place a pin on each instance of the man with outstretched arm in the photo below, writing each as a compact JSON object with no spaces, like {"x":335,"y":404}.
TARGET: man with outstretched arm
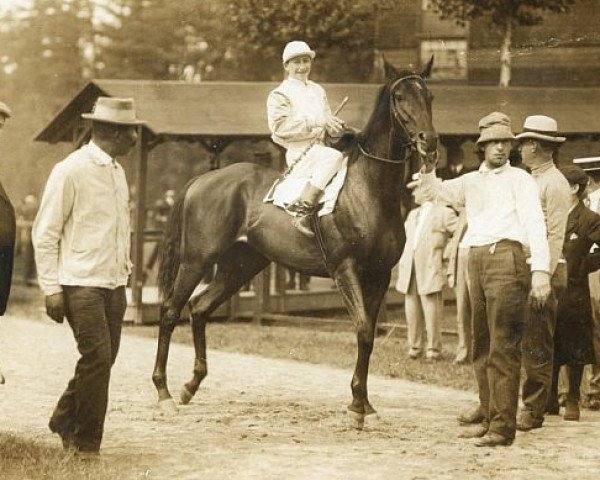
{"x":505,"y":224}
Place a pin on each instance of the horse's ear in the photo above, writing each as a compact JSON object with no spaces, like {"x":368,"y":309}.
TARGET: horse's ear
{"x":390,"y":71}
{"x":427,"y":70}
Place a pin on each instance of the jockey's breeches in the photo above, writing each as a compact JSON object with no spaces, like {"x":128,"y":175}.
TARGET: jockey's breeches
{"x":318,"y":165}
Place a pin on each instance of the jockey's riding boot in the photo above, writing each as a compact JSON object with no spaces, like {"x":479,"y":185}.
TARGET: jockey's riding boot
{"x":307,"y":201}
{"x":302,"y":223}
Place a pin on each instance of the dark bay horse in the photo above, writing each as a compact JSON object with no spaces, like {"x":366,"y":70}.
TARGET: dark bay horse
{"x":362,"y":239}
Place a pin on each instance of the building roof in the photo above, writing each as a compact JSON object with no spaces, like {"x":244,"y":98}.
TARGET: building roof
{"x":239,"y":108}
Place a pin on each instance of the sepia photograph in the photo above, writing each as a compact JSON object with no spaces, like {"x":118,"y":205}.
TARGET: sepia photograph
{"x":299,"y":239}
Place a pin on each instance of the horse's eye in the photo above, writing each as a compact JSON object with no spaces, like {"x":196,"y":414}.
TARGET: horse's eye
{"x":398,"y":96}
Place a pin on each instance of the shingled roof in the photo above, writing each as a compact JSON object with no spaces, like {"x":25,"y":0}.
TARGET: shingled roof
{"x":238,"y":108}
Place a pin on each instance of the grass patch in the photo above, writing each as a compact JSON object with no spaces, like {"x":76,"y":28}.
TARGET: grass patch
{"x":28,"y":459}
{"x":326,"y":346}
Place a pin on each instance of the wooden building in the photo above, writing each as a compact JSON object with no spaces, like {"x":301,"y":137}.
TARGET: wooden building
{"x":216,"y":114}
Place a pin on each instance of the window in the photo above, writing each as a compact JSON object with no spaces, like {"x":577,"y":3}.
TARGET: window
{"x":450,"y":58}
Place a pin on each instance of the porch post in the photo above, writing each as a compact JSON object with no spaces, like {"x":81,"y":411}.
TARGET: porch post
{"x":137,"y":243}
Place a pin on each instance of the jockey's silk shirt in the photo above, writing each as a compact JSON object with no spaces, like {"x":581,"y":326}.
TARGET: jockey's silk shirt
{"x":501,"y":204}
{"x":81,"y":234}
{"x":296,"y":113}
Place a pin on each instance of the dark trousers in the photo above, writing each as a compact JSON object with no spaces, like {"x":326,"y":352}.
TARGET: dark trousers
{"x":95,"y":316}
{"x":538,"y":348}
{"x":498,"y":287}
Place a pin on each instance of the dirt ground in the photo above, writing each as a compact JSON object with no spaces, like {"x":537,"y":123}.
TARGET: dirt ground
{"x":274,"y":419}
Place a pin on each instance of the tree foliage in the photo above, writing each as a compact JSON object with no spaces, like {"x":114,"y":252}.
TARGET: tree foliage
{"x":506,"y":14}
{"x":156,"y":39}
{"x":500,"y":12}
{"x":340,"y":31}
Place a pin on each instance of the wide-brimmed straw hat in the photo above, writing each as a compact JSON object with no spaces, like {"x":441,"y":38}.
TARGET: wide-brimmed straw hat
{"x":114,"y":110}
{"x":541,"y":127}
{"x":588,"y":164}
{"x":295,"y":49}
{"x":5,"y":110}
{"x":495,"y":126}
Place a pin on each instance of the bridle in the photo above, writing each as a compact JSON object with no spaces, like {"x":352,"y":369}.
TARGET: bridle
{"x":413,"y":144}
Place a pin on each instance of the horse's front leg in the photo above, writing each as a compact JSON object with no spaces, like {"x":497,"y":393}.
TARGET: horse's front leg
{"x":362,"y":297}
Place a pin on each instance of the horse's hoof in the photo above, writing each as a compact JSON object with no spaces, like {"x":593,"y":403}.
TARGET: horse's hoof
{"x":356,"y":420}
{"x":2,"y":380}
{"x":167,"y":407}
{"x":372,"y":419}
{"x":185,"y":396}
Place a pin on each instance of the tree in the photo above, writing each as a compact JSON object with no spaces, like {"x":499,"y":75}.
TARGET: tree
{"x":342,"y":32}
{"x":506,"y":14}
{"x":157,"y":39}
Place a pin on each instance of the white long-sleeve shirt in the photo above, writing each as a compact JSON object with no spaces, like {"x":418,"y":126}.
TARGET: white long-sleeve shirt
{"x":296,"y":114}
{"x":501,"y":204}
{"x":81,"y":233}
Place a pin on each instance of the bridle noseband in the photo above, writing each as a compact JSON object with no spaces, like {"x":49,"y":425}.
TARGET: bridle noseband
{"x":413,"y":143}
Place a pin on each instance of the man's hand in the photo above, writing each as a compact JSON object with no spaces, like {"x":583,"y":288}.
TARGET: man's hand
{"x":334,"y":125}
{"x":55,"y":307}
{"x":429,"y":162}
{"x":540,"y":289}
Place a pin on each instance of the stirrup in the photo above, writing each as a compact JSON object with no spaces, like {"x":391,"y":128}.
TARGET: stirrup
{"x":301,"y":208}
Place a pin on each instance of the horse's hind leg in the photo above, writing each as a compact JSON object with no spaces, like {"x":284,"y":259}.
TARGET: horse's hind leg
{"x":188,"y":276}
{"x":235,"y":268}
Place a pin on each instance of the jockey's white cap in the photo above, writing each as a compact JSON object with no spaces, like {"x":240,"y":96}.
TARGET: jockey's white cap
{"x":296,"y":48}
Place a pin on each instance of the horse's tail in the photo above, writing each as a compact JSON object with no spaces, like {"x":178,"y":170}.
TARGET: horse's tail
{"x":171,"y":246}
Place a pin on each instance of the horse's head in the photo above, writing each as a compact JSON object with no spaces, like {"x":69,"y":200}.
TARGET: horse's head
{"x":410,"y":105}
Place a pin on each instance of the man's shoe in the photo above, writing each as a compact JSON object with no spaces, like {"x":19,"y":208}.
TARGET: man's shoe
{"x":562,"y":399}
{"x":473,"y":431}
{"x":493,"y":439}
{"x":303,"y":225}
{"x":571,"y":411}
{"x":462,"y":360}
{"x":594,"y":402}
{"x":87,"y":456}
{"x":414,"y":353}
{"x":433,"y":355}
{"x":472,"y":416}
{"x":527,"y":422}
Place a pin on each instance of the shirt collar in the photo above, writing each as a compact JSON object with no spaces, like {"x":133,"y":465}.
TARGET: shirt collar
{"x":99,"y":156}
{"x":295,"y":81}
{"x":483,"y":168}
{"x":539,"y":169}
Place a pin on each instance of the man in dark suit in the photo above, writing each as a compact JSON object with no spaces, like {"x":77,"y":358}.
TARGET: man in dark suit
{"x":7,"y":234}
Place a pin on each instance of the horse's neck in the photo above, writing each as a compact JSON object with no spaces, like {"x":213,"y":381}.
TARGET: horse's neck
{"x":383,"y":180}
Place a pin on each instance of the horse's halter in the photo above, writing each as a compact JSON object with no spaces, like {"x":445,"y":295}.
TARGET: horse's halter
{"x":414,"y":142}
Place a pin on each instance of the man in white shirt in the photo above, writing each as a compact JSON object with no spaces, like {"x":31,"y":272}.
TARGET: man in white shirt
{"x":299,"y":115}
{"x":504,"y":222}
{"x":538,"y":144}
{"x":81,"y":237}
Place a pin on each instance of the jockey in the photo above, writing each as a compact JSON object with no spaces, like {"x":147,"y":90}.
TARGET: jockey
{"x":299,"y":116}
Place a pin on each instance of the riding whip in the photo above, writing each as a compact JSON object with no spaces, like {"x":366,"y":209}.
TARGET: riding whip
{"x":320,"y":138}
